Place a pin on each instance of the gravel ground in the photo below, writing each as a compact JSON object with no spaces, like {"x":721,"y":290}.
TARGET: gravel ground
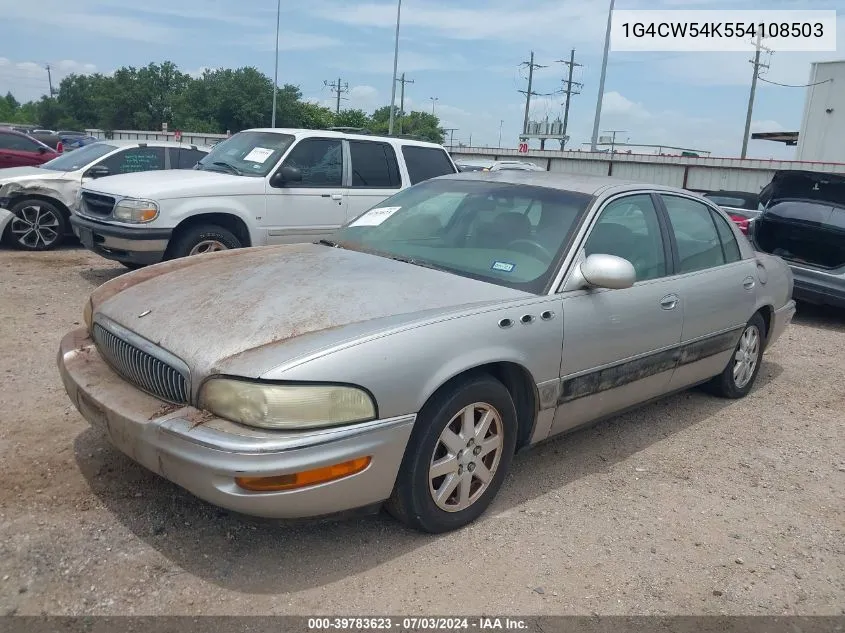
{"x":692,"y":505}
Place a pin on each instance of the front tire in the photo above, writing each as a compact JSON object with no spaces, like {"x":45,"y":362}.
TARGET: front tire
{"x":204,"y":238}
{"x":738,"y":377}
{"x":456,"y":460}
{"x":38,"y":225}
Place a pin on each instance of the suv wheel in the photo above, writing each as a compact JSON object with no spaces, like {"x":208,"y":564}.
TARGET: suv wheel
{"x":202,"y":238}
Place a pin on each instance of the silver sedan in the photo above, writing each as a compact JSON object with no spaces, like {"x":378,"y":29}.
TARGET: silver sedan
{"x":404,"y":362}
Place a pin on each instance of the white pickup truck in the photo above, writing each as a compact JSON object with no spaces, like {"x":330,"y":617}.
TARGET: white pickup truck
{"x":261,"y":186}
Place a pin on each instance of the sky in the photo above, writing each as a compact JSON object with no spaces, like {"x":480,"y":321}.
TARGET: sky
{"x":466,"y":55}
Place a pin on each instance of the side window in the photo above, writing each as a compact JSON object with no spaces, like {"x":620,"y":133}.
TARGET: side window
{"x":374,"y":165}
{"x":426,"y":162}
{"x":727,"y":237}
{"x":135,"y":159}
{"x":320,"y":160}
{"x":18,"y":143}
{"x":185,"y":158}
{"x":699,"y":246}
{"x":628,"y":227}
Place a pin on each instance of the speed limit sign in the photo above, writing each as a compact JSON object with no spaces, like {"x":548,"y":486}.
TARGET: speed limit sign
{"x":523,"y":147}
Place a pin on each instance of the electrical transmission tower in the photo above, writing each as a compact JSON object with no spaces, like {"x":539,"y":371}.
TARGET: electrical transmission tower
{"x":570,"y":88}
{"x":337,"y":89}
{"x":758,"y":45}
{"x":528,"y":93}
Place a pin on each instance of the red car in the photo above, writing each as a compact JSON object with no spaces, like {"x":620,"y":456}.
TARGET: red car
{"x":20,"y":150}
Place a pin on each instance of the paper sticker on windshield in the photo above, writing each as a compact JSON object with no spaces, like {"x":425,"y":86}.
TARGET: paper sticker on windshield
{"x":505,"y":267}
{"x":259,"y":155}
{"x":374,"y":217}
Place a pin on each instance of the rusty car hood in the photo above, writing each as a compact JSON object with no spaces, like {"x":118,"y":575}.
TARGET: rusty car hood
{"x":247,"y":311}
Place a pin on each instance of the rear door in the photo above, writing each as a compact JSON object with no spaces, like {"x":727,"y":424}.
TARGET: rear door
{"x":374,"y":175}
{"x":313,"y":208}
{"x":717,"y":287}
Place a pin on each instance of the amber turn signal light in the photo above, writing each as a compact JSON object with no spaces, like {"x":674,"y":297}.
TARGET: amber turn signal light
{"x":305,"y":478}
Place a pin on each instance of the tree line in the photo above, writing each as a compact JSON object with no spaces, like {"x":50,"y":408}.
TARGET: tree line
{"x":219,"y":101}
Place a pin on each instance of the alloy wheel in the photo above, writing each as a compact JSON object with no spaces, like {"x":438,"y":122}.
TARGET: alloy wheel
{"x":747,"y":356}
{"x":208,"y":246}
{"x":35,"y":225}
{"x":466,"y":457}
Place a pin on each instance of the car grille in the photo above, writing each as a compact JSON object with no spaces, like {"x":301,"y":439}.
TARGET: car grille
{"x":97,"y":204}
{"x":141,"y":368}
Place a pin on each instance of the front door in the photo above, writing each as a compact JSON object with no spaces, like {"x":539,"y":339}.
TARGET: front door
{"x":718,"y":288}
{"x":620,"y":346}
{"x":313,"y":208}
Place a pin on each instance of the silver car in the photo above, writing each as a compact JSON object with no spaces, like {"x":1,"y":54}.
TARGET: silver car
{"x":405,"y":361}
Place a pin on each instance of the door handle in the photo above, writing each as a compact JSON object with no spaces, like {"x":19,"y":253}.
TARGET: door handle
{"x":669,"y":302}
{"x":748,"y":283}
{"x":337,"y":196}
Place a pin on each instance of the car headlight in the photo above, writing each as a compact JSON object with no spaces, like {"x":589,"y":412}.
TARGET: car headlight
{"x":273,"y":406}
{"x":135,"y":211}
{"x":77,"y":201}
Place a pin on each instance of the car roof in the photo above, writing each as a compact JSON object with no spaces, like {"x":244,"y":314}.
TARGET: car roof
{"x":302,"y":133}
{"x":579,"y":183}
{"x":152,"y":143}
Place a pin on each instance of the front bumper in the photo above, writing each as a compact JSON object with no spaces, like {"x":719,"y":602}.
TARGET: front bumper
{"x":204,"y":456}
{"x":819,"y":287}
{"x":141,"y":246}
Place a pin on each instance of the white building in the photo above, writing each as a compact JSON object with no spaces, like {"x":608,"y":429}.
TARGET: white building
{"x":822,"y":134}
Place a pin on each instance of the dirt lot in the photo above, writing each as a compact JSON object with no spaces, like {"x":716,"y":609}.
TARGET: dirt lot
{"x":691,"y":505}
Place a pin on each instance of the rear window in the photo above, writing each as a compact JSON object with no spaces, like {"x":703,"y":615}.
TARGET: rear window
{"x":426,"y":162}
{"x":185,"y":158}
{"x":374,"y":165}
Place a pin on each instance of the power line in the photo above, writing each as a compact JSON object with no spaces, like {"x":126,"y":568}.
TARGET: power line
{"x":337,"y":89}
{"x":758,"y":46}
{"x":774,"y":83}
{"x":569,"y":91}
{"x":528,"y":94}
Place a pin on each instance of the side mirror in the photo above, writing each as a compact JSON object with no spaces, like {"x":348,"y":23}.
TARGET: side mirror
{"x":42,"y":150}
{"x":608,"y":271}
{"x":97,"y":171}
{"x":285,"y":176}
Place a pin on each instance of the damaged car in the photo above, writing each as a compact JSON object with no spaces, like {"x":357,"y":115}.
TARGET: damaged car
{"x":36,"y":202}
{"x":405,"y":360}
{"x":803,"y":222}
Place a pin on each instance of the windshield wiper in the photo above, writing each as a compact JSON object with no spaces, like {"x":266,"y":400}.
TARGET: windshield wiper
{"x":231,"y":168}
{"x":414,"y":262}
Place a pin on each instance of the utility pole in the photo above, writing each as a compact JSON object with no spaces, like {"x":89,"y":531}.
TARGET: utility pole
{"x":451,"y":131}
{"x":403,"y":81}
{"x":531,"y":66}
{"x":501,"y":123}
{"x":569,"y":90}
{"x":338,"y":89}
{"x":395,"y":68}
{"x":757,"y":66}
{"x":50,"y":81}
{"x":597,"y":118}
{"x":276,"y":64}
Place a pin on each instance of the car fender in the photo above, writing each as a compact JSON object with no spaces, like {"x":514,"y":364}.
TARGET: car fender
{"x":5,"y":218}
{"x":244,"y":207}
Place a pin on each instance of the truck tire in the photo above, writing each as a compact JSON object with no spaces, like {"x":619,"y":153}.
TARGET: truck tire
{"x":201,"y":238}
{"x":38,"y":225}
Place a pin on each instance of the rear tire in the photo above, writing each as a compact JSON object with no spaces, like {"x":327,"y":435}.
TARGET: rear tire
{"x":38,"y":225}
{"x":132,"y":265}
{"x":457,"y":457}
{"x":739,"y":376}
{"x":202,"y":238}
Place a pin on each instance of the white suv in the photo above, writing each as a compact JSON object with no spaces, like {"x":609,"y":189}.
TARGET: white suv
{"x":261,"y":186}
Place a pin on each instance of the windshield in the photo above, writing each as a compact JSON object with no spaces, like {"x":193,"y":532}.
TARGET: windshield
{"x":507,"y":234}
{"x":247,"y":153}
{"x":79,"y":158}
